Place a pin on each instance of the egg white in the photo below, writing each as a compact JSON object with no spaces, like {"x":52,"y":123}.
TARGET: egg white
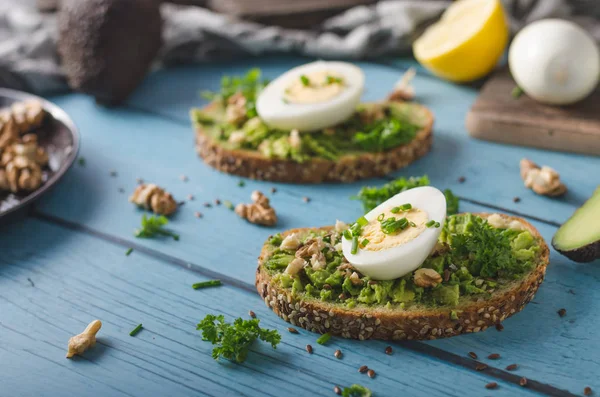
{"x":275,"y":112}
{"x":398,"y":261}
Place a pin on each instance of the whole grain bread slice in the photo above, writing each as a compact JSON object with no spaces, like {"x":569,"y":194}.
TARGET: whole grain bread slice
{"x":252,"y":164}
{"x":364,"y":322}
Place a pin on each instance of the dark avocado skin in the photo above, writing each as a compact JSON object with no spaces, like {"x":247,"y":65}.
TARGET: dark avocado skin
{"x":107,"y":46}
{"x":587,"y":253}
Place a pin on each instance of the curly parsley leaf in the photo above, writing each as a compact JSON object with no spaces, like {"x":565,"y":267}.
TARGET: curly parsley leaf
{"x":233,"y":341}
{"x":371,"y":197}
{"x":385,"y":134}
{"x":154,"y":226}
{"x":356,"y":391}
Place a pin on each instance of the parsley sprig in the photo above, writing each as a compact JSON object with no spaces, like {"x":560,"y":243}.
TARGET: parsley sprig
{"x":233,"y":341}
{"x":385,"y":134}
{"x":248,"y":85}
{"x":154,"y":226}
{"x":356,"y":391}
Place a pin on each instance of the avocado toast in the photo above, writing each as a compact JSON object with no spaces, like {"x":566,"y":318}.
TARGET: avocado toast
{"x":376,"y":139}
{"x":482,"y":285}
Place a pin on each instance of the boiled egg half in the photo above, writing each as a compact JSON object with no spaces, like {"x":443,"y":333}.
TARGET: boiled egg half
{"x":387,"y":256}
{"x":311,"y":97}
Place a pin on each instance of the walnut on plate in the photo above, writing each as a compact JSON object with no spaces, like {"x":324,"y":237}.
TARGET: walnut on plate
{"x":154,"y":198}
{"x":542,"y":180}
{"x":21,"y":174}
{"x":27,"y":147}
{"x":259,"y":212}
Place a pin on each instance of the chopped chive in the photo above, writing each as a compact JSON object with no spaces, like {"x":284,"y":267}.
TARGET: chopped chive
{"x":324,"y":338}
{"x":334,"y":80}
{"x":128,"y":252}
{"x":206,"y":284}
{"x":395,"y":210}
{"x":437,"y":224}
{"x":405,"y":207}
{"x":305,"y":81}
{"x":347,"y":234}
{"x":364,"y":242}
{"x":430,"y":223}
{"x":412,"y":224}
{"x":354,"y":249}
{"x":135,"y":331}
{"x":380,"y":217}
{"x":81,"y":161}
{"x":241,"y":183}
{"x":516,"y":92}
{"x":228,"y":204}
{"x":362,"y":221}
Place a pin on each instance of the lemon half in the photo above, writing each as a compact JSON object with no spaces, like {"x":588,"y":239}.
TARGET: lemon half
{"x":466,"y":43}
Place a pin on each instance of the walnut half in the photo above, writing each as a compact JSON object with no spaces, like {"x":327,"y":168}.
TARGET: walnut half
{"x":259,"y":212}
{"x":154,"y":198}
{"x":427,"y":278}
{"x":544,"y":180}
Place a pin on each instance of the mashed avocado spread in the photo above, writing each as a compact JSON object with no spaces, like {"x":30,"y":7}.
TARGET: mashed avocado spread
{"x":473,"y":258}
{"x":232,"y":120}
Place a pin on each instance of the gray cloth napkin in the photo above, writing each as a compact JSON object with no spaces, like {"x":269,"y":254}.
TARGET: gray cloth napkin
{"x":28,"y":58}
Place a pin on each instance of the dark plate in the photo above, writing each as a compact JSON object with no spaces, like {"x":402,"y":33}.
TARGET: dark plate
{"x":58,"y":135}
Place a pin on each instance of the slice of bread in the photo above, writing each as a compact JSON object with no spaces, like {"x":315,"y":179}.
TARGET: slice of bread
{"x":474,"y":314}
{"x":348,"y":168}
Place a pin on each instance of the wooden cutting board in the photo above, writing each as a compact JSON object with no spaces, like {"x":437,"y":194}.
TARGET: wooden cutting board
{"x":497,"y":116}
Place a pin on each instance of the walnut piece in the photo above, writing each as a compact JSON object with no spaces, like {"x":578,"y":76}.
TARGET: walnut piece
{"x":403,"y":90}
{"x":295,"y":266}
{"x":310,"y":248}
{"x":318,"y":261}
{"x":290,"y":242}
{"x":9,"y":133}
{"x":154,"y":198}
{"x":259,"y":212}
{"x":28,"y":147}
{"x":427,"y":278}
{"x":295,"y":140}
{"x":544,"y":180}
{"x":21,"y":174}
{"x":235,"y":112}
{"x":80,"y":343}
{"x":27,"y":115}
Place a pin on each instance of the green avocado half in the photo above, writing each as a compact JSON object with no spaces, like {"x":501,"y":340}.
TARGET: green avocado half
{"x":579,"y":237}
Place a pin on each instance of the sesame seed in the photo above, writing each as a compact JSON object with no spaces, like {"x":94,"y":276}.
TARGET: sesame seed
{"x":326,"y":286}
{"x":562,"y":312}
{"x":388,"y":350}
{"x":371,"y":373}
{"x":494,"y":356}
{"x":217,"y":202}
{"x":139,"y":181}
{"x":309,"y":349}
{"x":252,"y":314}
{"x":480,"y":367}
{"x":183,"y":178}
{"x":337,"y":390}
{"x":306,"y":199}
{"x":523,"y":381}
{"x":516,"y":199}
{"x":363,"y":369}
{"x":190,"y":197}
{"x":273,"y":190}
{"x":207,"y":205}
{"x":338,"y":353}
{"x":292,"y":330}
{"x":587,"y":391}
{"x":198,"y":214}
{"x":473,"y":355}
{"x":499,"y":327}
{"x":113,"y":173}
{"x":121,"y":190}
{"x":491,"y":385}
{"x":512,"y":367}
{"x":462,"y":179}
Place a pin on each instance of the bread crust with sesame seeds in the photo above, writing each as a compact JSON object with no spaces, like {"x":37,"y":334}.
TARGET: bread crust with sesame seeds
{"x":364,"y":322}
{"x":252,"y":164}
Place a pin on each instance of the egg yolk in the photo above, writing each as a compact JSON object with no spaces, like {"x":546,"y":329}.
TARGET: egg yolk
{"x":315,"y":87}
{"x":378,"y":240}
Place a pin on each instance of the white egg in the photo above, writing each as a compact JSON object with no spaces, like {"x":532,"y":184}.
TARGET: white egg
{"x":392,"y":258}
{"x":311,"y":97}
{"x":554,"y":61}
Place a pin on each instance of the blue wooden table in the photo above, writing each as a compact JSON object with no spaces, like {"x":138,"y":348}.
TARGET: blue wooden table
{"x":65,"y":264}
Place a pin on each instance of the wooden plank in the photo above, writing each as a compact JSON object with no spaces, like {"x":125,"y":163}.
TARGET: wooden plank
{"x":491,"y":170}
{"x":497,"y":116}
{"x":76,"y":278}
